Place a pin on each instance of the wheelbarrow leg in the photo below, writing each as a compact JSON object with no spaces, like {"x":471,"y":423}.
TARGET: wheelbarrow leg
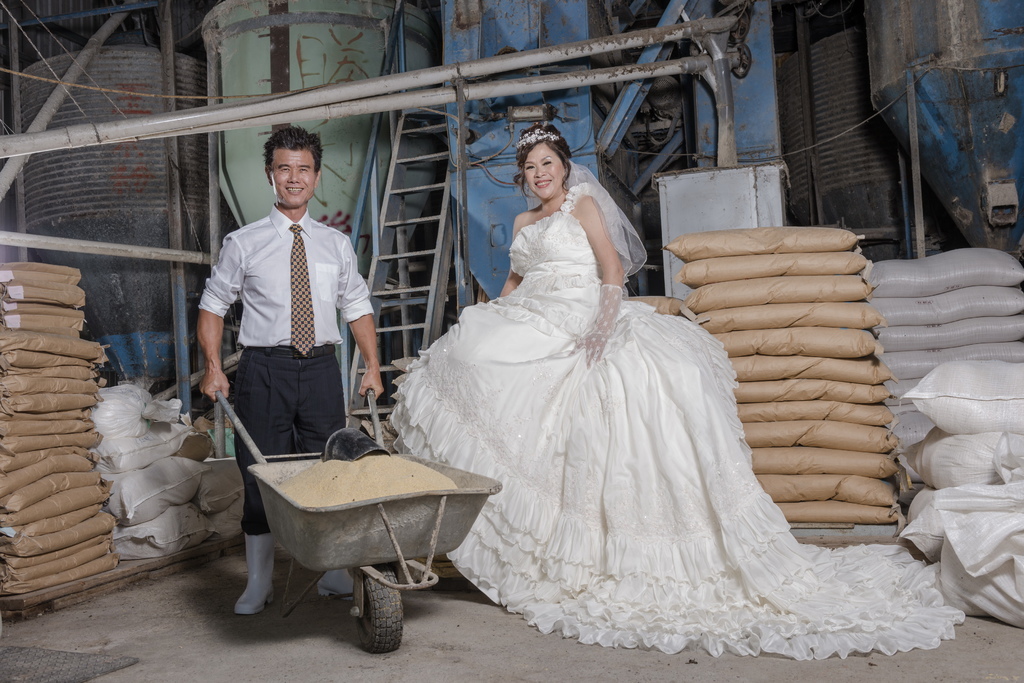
{"x":288,"y":607}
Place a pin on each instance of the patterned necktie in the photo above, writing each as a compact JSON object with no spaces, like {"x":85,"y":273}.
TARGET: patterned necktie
{"x":303,"y":332}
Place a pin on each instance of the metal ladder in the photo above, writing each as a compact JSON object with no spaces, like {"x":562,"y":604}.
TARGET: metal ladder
{"x":412,"y":249}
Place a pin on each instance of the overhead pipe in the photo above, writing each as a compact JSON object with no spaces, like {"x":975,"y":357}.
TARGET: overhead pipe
{"x":474,"y":91}
{"x":49,"y":109}
{"x":17,"y":239}
{"x":225,"y":116}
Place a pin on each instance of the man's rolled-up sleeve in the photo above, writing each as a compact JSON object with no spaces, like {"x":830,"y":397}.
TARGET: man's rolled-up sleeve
{"x":353,"y":294}
{"x":225,"y":282}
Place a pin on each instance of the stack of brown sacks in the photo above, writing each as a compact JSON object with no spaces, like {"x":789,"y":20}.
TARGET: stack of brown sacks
{"x":788,"y":305}
{"x":51,"y":527}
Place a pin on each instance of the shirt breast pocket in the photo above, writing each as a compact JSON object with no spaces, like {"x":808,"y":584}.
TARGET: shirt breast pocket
{"x":327,"y":281}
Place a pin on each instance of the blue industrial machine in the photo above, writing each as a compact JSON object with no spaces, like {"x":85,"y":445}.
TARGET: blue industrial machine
{"x":964,"y":62}
{"x":600,"y":127}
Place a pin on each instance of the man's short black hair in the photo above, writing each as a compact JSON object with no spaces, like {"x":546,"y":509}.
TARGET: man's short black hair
{"x":295,"y":139}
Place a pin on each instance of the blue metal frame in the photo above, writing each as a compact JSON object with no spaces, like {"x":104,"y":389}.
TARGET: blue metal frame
{"x":101,"y":11}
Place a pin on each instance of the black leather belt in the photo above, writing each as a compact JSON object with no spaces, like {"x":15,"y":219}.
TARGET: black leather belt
{"x":290,"y":352}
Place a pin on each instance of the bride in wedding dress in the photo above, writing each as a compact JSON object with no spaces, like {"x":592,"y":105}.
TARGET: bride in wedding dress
{"x":630,"y":516}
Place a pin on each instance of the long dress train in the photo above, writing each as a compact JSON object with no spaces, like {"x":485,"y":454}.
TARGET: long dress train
{"x":630,"y":515}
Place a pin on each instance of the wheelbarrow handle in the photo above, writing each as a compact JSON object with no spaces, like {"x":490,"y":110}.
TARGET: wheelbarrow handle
{"x":241,"y":430}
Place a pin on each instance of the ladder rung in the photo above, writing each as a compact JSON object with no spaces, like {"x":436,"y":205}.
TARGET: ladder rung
{"x":398,"y":303}
{"x":401,"y":290}
{"x":399,"y":328}
{"x":407,"y":254}
{"x":418,"y":188}
{"x":430,"y":128}
{"x":413,"y":221}
{"x":438,"y":156}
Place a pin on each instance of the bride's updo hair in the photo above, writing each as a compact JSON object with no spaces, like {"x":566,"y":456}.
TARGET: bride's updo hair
{"x":531,"y":137}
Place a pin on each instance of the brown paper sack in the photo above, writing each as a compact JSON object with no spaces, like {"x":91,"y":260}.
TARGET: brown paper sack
{"x":103,"y":564}
{"x":786,"y":488}
{"x":85,"y":371}
{"x":719,"y":243}
{"x":803,"y":460}
{"x":781,"y":411}
{"x":43,"y":427}
{"x":778,"y":290}
{"x":810,"y":390}
{"x":28,"y":270}
{"x":854,"y":315}
{"x":820,"y":434}
{"x":12,"y":340}
{"x":768,"y":368}
{"x":58,"y":504}
{"x":11,"y":482}
{"x":839,"y":512}
{"x":708,"y":271}
{"x":48,"y":486}
{"x":35,"y":291}
{"x":51,"y":525}
{"x":10,"y":462}
{"x":28,"y":546}
{"x":824,"y":342}
{"x":23,"y":444}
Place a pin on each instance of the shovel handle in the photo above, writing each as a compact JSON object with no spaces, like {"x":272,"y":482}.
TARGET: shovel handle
{"x":371,"y":399}
{"x":240,"y":430}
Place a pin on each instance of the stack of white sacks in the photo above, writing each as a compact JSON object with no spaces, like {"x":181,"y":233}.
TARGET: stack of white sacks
{"x":789,"y":306}
{"x":964,"y":304}
{"x":971,"y":513}
{"x":166,"y":495}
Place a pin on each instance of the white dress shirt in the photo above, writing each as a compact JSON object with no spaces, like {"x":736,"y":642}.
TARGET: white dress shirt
{"x":255,"y":262}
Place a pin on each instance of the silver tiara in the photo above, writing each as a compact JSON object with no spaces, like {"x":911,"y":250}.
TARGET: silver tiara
{"x":535,"y":137}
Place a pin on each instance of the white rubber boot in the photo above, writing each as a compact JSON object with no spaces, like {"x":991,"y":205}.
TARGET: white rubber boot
{"x":335,"y":582}
{"x":259,"y":562}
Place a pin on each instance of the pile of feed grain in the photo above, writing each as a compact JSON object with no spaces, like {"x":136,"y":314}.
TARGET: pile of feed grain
{"x":337,"y":482}
{"x":788,"y":304}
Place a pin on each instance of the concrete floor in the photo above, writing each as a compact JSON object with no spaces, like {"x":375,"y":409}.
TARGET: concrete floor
{"x":181,"y":629}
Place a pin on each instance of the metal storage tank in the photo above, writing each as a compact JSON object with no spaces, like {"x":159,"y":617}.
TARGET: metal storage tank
{"x":965,"y":58}
{"x":119,"y":193}
{"x":265,"y":47}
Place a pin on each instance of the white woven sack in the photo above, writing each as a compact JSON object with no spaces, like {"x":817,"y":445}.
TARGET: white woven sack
{"x":145,"y":494}
{"x":119,"y":413}
{"x":911,"y":429}
{"x":973,"y":397}
{"x":124,"y":455}
{"x":178,"y":528}
{"x":924,"y":529}
{"x":945,"y":272}
{"x":959,"y":333}
{"x":916,"y":364}
{"x":220,"y":485}
{"x":227,"y":523}
{"x":982,"y":568}
{"x":944,"y":460}
{"x":969,"y":302}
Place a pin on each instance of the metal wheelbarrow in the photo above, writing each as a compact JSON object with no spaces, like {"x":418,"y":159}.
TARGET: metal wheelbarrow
{"x":374,"y":539}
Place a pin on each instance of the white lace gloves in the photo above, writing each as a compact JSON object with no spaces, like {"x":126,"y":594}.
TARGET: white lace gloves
{"x":593,"y":342}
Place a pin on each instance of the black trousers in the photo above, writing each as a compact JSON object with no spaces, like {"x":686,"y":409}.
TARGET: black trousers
{"x":288,"y":405}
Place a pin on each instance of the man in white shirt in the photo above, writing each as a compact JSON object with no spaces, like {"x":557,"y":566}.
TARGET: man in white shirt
{"x":293,"y":275}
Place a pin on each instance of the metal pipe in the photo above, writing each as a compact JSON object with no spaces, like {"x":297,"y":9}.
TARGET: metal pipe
{"x":49,"y":109}
{"x":915,"y":165}
{"x":175,"y":237}
{"x":14,"y":239}
{"x":213,"y":163}
{"x":218,"y":117}
{"x":14,"y":57}
{"x":479,"y":91}
{"x":721,"y":66}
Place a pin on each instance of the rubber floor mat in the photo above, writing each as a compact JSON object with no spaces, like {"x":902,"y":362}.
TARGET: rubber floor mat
{"x":36,"y":665}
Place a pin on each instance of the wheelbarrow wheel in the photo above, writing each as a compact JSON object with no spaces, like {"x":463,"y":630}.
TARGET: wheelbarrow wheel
{"x":380,"y":624}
